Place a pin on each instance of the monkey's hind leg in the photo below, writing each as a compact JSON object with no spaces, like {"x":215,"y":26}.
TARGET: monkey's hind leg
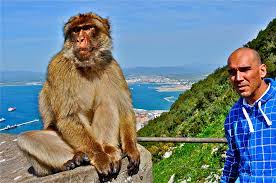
{"x":46,"y":151}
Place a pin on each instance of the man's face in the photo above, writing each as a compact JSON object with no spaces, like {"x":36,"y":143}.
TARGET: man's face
{"x":246,"y":74}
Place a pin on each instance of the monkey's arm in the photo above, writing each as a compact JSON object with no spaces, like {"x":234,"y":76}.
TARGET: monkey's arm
{"x":77,"y":134}
{"x":127,"y":120}
{"x":44,"y":107}
{"x":128,"y":140}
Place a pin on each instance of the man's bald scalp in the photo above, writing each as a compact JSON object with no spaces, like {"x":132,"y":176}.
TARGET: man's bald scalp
{"x":243,"y":50}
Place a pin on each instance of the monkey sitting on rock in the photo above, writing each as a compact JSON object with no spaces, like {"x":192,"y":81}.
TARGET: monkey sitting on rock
{"x":85,"y":105}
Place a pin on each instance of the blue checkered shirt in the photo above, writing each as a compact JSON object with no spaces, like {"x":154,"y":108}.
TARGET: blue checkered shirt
{"x":252,"y":140}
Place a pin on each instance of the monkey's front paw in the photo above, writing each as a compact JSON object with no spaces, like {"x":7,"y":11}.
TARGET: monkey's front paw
{"x":104,"y":166}
{"x":115,"y":154}
{"x":134,"y":162}
{"x":79,"y":158}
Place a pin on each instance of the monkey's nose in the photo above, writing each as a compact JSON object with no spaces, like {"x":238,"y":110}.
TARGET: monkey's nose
{"x":80,"y":40}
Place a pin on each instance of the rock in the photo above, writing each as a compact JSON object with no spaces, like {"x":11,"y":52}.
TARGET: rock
{"x":14,"y":167}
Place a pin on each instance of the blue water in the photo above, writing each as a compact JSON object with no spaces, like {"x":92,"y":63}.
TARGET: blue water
{"x":146,"y":97}
{"x":25,"y":99}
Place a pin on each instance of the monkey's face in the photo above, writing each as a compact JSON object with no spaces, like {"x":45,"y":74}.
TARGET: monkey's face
{"x":84,"y":42}
{"x":87,"y":36}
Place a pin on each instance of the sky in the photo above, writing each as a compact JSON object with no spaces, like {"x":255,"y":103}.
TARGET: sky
{"x":145,"y":33}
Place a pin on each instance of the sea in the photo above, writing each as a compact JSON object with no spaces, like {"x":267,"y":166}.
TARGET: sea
{"x":26,"y":116}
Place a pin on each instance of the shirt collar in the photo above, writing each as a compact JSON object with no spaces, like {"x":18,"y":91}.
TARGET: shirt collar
{"x":246,"y":104}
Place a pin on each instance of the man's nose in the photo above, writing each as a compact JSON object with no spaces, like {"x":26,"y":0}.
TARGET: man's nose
{"x":239,"y":76}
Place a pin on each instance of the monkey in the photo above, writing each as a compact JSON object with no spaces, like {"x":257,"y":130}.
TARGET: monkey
{"x":85,"y":106}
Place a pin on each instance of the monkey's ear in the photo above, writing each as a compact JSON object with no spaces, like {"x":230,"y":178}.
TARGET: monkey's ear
{"x":106,"y":23}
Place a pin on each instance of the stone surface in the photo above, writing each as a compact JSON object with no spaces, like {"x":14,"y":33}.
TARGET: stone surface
{"x":14,"y":167}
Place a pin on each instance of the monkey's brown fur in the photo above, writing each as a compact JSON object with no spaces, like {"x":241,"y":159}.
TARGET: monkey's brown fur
{"x":85,"y":105}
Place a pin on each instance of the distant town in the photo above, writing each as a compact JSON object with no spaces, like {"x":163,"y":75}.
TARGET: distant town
{"x":166,"y":83}
{"x":144,"y":116}
{"x":158,"y":79}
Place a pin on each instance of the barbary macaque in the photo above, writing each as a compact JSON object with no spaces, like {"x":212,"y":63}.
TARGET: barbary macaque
{"x":85,"y":106}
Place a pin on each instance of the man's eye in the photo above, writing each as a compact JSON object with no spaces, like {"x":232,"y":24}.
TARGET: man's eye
{"x":232,"y":72}
{"x":244,"y":69}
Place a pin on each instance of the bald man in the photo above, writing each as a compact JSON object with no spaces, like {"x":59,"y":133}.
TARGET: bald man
{"x":250,"y":127}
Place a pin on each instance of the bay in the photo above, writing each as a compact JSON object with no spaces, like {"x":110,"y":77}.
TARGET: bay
{"x":25,"y":99}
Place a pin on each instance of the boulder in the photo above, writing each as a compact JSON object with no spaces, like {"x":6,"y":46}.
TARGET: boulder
{"x":14,"y":167}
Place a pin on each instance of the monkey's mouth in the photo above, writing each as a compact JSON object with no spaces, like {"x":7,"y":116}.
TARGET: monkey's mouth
{"x":83,"y":54}
{"x":84,"y":58}
{"x":85,"y":50}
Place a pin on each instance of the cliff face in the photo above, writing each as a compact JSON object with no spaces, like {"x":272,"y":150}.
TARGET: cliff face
{"x":14,"y":167}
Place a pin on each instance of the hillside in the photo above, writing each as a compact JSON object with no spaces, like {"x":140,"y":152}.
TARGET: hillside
{"x":200,"y":112}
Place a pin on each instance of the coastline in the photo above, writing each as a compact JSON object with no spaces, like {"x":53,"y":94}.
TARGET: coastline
{"x":34,"y":83}
{"x":173,"y":88}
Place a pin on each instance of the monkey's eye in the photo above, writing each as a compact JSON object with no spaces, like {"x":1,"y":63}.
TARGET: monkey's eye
{"x":87,"y":27}
{"x":76,"y":29}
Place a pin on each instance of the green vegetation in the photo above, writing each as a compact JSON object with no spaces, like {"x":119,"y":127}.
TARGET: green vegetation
{"x":200,"y":112}
{"x":265,"y":44}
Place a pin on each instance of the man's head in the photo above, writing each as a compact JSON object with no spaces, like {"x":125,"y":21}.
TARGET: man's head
{"x":246,"y":73}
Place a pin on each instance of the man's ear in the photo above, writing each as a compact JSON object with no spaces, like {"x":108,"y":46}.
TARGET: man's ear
{"x":263,"y":71}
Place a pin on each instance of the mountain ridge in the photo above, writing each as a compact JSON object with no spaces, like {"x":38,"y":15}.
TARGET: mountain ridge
{"x":180,"y":71}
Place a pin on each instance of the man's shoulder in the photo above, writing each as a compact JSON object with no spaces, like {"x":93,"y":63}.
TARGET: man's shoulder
{"x":272,"y":83}
{"x":273,"y":86}
{"x":271,"y":93}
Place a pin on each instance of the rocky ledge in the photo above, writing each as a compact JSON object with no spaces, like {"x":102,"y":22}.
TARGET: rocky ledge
{"x":14,"y":167}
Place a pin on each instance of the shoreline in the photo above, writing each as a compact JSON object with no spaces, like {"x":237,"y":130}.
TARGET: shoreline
{"x":173,"y":88}
{"x":34,"y":83}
